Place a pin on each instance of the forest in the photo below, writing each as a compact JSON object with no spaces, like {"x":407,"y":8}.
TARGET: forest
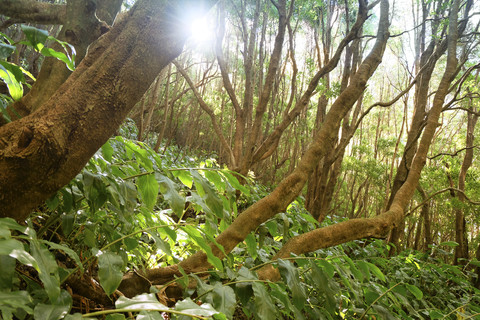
{"x":239,"y":159}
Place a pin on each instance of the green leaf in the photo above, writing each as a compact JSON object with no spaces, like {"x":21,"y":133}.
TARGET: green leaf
{"x":115,"y":316}
{"x":72,"y":254}
{"x":107,"y":151}
{"x":110,"y":272}
{"x":290,"y":274}
{"x":11,"y":224}
{"x":264,"y":306}
{"x":449,"y":244}
{"x":436,"y":314}
{"x":185,"y":177}
{"x":214,"y":203}
{"x":190,"y":307}
{"x":150,"y":315}
{"x":146,"y":301}
{"x":376,"y":271}
{"x":7,"y":267}
{"x":11,"y":301}
{"x":235,"y":183}
{"x":49,"y":52}
{"x":14,"y":249}
{"x":357,"y":274}
{"x":327,"y":267}
{"x":148,"y":189}
{"x":415,"y":291}
{"x":54,"y":311}
{"x":15,"y":88}
{"x":251,"y":242}
{"x":370,"y":296}
{"x":47,"y":269}
{"x":36,"y":37}
{"x":169,"y":191}
{"x":6,"y":50}
{"x":222,"y":298}
{"x":200,"y":241}
{"x":215,"y":178}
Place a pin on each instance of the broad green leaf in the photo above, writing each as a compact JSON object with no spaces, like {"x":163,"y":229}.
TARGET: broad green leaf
{"x":6,"y":50}
{"x":185,"y":177}
{"x":415,"y":291}
{"x":370,"y":296}
{"x":161,"y":244}
{"x":251,"y":242}
{"x":353,"y":268}
{"x":15,"y":249}
{"x":115,"y":316}
{"x":72,"y":254}
{"x":376,"y":271}
{"x":190,"y":307}
{"x":7,"y":267}
{"x":449,"y":244}
{"x":148,"y":189}
{"x":109,"y":271}
{"x":150,"y":315}
{"x":107,"y":151}
{"x":264,"y":306}
{"x":54,"y":311}
{"x":222,"y":298}
{"x":235,"y":183}
{"x":10,"y":301}
{"x":15,"y":88}
{"x":200,"y":241}
{"x":272,"y":227}
{"x":436,"y":314}
{"x":169,"y":191}
{"x":49,"y":52}
{"x":327,"y":267}
{"x":11,"y":224}
{"x":215,"y":179}
{"x":47,"y":269}
{"x":321,"y":279}
{"x":290,"y":274}
{"x":36,"y":37}
{"x":208,"y":194}
{"x":147,"y":301}
{"x":362,"y":265}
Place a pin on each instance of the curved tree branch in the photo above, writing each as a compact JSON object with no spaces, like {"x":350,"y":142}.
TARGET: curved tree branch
{"x":34,"y":11}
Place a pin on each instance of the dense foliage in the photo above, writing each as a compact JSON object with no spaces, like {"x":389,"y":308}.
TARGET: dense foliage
{"x":132,"y":208}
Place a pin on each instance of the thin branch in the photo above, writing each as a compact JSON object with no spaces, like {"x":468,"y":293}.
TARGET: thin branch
{"x":453,"y":154}
{"x":439,"y":192}
{"x":207,"y":109}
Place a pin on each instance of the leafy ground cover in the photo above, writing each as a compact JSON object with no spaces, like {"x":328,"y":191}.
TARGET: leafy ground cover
{"x":133,"y":209}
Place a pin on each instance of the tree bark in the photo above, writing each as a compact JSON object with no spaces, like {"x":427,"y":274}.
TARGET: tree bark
{"x":42,"y":152}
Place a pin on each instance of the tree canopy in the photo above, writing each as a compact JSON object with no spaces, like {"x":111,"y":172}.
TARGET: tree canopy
{"x":308,"y":160}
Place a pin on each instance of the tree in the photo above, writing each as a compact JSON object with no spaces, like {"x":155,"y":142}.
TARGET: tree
{"x":43,"y":151}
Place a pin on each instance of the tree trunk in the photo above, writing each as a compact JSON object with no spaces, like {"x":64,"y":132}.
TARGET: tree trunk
{"x":42,"y":152}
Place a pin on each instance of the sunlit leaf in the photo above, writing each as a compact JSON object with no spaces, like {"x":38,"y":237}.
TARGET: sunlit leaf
{"x":168,"y":190}
{"x":35,"y":37}
{"x":148,"y":189}
{"x":190,"y":307}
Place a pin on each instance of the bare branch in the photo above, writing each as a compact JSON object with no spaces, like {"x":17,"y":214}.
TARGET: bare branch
{"x":207,"y":109}
{"x":453,"y":154}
